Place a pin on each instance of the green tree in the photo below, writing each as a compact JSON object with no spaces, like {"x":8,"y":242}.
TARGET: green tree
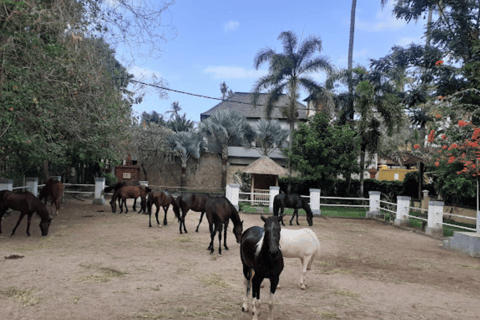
{"x":176,"y":108}
{"x":186,"y":145}
{"x":269,"y":135}
{"x":289,"y":72}
{"x":180,"y":123}
{"x":227,"y":128}
{"x":322,"y":150}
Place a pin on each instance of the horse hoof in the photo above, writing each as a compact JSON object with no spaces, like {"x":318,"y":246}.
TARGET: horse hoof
{"x":226,"y":248}
{"x":159,"y":225}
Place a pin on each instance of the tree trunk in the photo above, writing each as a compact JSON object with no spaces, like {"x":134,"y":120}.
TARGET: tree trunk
{"x":184,"y":177}
{"x":350,"y":57}
{"x":144,"y":172}
{"x":46,"y":174}
{"x":362,"y":166}
{"x":290,"y":144}
{"x":224,"y":166}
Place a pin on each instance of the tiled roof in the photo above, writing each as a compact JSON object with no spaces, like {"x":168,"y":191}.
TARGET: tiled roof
{"x":249,"y":111}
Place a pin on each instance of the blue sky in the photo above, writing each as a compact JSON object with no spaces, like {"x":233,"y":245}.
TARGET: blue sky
{"x":217,"y":41}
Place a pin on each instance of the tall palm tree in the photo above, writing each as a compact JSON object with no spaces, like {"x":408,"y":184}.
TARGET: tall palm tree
{"x":227,"y":128}
{"x":176,"y":108}
{"x":288,"y":72}
{"x":186,"y":145}
{"x":269,"y":135}
{"x":180,"y":123}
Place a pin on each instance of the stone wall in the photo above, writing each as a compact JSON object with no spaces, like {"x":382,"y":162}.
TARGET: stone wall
{"x":202,"y":174}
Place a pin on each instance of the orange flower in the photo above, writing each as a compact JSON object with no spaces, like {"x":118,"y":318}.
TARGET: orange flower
{"x":438,"y":116}
{"x":440,"y":98}
{"x":462,"y":123}
{"x":437,"y":164}
{"x":444,"y":137}
{"x":416,"y":146}
{"x":431,"y":136}
{"x":444,"y":147}
{"x":11,"y":109}
{"x":439,"y":62}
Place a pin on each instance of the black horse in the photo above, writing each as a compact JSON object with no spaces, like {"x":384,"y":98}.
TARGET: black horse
{"x":27,"y":204}
{"x":219,"y":211}
{"x":261,"y":258}
{"x":192,"y":201}
{"x":285,"y":200}
{"x":161,"y":199}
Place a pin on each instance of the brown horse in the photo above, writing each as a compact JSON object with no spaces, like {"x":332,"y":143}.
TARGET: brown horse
{"x":130,"y":192}
{"x":27,"y":204}
{"x":161,"y":199}
{"x":192,"y":201}
{"x":219,"y":212}
{"x":117,"y":186}
{"x":54,"y":190}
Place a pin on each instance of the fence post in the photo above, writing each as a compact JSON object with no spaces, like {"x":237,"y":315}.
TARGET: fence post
{"x":99,"y":186}
{"x":374,"y":204}
{"x":315,"y":202}
{"x":273,"y":192}
{"x":6,"y":184}
{"x":435,"y":218}
{"x":403,"y":209}
{"x":32,"y":184}
{"x":58,"y":178}
{"x":143,"y":183}
{"x":478,"y":221}
{"x":234,"y":192}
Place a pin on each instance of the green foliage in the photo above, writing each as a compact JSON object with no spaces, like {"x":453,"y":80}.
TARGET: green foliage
{"x":321,"y":150}
{"x":110,"y":178}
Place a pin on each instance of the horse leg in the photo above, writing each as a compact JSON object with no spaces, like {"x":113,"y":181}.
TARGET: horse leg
{"x":22,"y":214}
{"x":273,"y":287}
{"x":57,"y":206}
{"x":247,"y":281}
{"x":134,"y":208}
{"x":295,"y":212}
{"x":124,"y":200}
{"x":165,"y":209}
{"x":225,"y":236}
{"x":182,"y":221}
{"x":212,"y":236}
{"x":219,"y":229}
{"x":306,"y":263}
{"x":281,"y":213}
{"x":256,"y":282}
{"x":201,"y":217}
{"x":156,"y":215}
{"x":2,"y":212}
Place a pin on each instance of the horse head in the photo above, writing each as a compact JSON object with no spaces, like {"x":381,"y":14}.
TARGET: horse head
{"x":113,"y":205}
{"x":238,"y":230}
{"x":44,"y":225}
{"x":272,"y":230}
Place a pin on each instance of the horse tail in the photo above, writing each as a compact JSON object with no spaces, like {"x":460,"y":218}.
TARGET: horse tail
{"x":176,"y":209}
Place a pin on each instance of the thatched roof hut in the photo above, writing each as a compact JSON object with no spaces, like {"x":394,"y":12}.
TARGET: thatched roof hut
{"x":264,"y":173}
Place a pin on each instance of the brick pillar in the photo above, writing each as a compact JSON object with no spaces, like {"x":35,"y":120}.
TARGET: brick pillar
{"x":99,"y":186}
{"x":435,"y":218}
{"x":315,"y":202}
{"x":32,"y":184}
{"x":273,"y":192}
{"x":374,"y":204}
{"x":6,"y":184}
{"x":403,"y":208}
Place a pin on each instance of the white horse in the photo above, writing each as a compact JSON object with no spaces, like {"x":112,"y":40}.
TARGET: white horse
{"x":303,"y":244}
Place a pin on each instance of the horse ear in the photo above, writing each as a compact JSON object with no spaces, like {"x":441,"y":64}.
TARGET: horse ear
{"x":280,"y":217}
{"x":263,"y":218}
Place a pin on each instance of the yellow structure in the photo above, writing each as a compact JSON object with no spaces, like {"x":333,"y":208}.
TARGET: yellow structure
{"x":386,"y":174}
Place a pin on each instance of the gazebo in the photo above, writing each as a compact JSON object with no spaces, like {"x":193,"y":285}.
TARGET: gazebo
{"x":264,"y":173}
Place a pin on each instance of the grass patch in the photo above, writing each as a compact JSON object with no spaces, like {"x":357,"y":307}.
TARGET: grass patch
{"x":337,"y":271}
{"x":107,"y":273}
{"x":470,"y":266}
{"x":346,"y":293}
{"x":25,"y":297}
{"x":347,"y":212}
{"x":214,"y":280}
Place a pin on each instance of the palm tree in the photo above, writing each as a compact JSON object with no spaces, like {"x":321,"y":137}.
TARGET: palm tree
{"x":288,"y":72}
{"x":226,"y":92}
{"x":175,"y":109}
{"x":186,"y":145}
{"x":180,"y":123}
{"x":227,"y":128}
{"x":269,"y":135}
{"x":350,"y":57}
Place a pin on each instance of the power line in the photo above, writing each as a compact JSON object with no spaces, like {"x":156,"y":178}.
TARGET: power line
{"x":202,"y":96}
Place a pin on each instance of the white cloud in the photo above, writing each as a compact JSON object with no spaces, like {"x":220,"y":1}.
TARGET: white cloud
{"x":384,"y":20}
{"x":231,"y":26}
{"x":225,"y":72}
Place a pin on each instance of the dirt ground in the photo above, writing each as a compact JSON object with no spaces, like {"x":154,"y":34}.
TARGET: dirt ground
{"x":97,"y":265}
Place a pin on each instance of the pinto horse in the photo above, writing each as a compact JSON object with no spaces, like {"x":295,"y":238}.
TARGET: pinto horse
{"x":192,"y":201}
{"x":161,"y":199}
{"x":27,"y":204}
{"x":261,"y":258}
{"x":302,"y":244}
{"x":53,"y":189}
{"x":294,"y":201}
{"x":117,"y":186}
{"x":130,"y":192}
{"x":219,"y":211}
